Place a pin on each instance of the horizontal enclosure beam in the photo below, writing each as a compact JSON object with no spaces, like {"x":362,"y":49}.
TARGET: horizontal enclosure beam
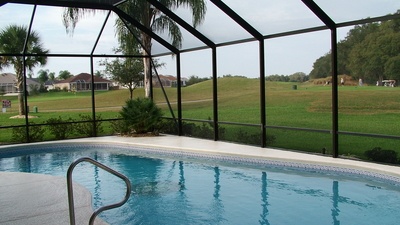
{"x":72,"y":4}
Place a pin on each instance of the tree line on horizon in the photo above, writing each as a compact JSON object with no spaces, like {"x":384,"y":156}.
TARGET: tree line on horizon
{"x":295,"y":77}
{"x":370,"y":52}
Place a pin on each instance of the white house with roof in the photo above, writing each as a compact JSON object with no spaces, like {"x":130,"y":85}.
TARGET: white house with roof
{"x":168,"y":81}
{"x":83,"y":82}
{"x":8,"y":84}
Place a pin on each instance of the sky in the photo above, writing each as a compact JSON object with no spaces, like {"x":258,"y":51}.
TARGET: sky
{"x":283,"y":56}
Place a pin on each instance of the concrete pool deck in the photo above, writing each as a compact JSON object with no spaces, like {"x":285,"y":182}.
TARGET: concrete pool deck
{"x":41,"y":199}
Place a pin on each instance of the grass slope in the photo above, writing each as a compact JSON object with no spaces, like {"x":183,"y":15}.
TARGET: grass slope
{"x":367,"y":109}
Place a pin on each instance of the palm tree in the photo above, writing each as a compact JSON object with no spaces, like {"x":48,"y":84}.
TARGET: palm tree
{"x":12,"y":41}
{"x":152,"y":19}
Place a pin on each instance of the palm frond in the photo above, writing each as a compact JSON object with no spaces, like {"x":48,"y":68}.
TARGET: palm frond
{"x":164,"y":23}
{"x":198,"y":8}
{"x":71,"y":17}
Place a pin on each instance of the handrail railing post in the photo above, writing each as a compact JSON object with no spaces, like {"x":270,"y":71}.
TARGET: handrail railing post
{"x":101,"y":209}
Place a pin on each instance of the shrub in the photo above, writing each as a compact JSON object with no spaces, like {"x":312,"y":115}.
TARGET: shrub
{"x":141,"y":115}
{"x":120,"y":126}
{"x":60,"y":128}
{"x":86,"y":128}
{"x":43,"y":89}
{"x":36,"y":133}
{"x":168,"y":126}
{"x":253,"y":139}
{"x":205,"y":130}
{"x":380,"y":155}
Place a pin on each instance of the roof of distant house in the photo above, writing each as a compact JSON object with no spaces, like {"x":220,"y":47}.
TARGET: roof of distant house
{"x":84,"y":77}
{"x":167,"y":77}
{"x":12,"y":78}
{"x":170,"y":77}
{"x":8,"y":78}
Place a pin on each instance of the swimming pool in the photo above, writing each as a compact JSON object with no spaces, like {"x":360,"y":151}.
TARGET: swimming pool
{"x":171,"y":187}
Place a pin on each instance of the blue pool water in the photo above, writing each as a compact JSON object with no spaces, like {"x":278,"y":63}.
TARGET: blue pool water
{"x":174,"y":189}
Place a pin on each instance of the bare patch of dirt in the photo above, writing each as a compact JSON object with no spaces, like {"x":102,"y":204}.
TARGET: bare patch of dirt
{"x":348,"y":80}
{"x":22,"y":117}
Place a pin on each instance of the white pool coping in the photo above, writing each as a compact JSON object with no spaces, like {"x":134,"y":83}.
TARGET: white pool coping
{"x":189,"y":144}
{"x":42,"y":199}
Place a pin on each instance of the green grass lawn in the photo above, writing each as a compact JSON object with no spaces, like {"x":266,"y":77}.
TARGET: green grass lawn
{"x":368,"y":109}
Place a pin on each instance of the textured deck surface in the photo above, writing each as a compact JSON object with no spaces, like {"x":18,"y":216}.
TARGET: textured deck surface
{"x":37,"y":199}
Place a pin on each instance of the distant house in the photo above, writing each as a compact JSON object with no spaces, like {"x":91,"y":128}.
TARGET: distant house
{"x":118,"y":85}
{"x":50,"y":85}
{"x":168,"y":81}
{"x":8,"y":84}
{"x":83,"y":82}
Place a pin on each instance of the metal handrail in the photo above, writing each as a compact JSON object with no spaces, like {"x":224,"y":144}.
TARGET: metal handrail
{"x":101,"y":209}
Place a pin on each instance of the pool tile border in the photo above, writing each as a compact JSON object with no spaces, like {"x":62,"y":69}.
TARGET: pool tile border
{"x":56,"y":147}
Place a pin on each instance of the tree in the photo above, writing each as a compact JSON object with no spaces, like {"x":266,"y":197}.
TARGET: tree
{"x":369,"y":51}
{"x":100,"y":74}
{"x":195,"y":79}
{"x":152,"y":19}
{"x":322,"y":67}
{"x":392,"y":68}
{"x":43,"y":76}
{"x":127,"y":71}
{"x":12,"y":40}
{"x":377,"y":55}
{"x":277,"y":78}
{"x":298,"y":77}
{"x":52,"y":76}
{"x":64,"y":74}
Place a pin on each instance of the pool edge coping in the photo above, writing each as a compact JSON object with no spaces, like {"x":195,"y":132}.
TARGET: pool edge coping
{"x":284,"y":156}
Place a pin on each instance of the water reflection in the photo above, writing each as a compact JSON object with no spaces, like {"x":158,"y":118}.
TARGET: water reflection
{"x":335,"y":200}
{"x":181,"y":177}
{"x":97,"y":188}
{"x":217,"y":206}
{"x":217,"y":187}
{"x":264,"y":200}
{"x":26,"y":164}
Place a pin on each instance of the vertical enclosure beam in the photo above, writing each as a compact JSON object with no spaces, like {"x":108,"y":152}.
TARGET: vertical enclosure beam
{"x":151,"y":80}
{"x":262,"y":94}
{"x":94,"y":124}
{"x":93,"y":98}
{"x":251,"y":30}
{"x":333,"y":27}
{"x":215,"y":93}
{"x":179,"y":93}
{"x":194,"y":32}
{"x":25,"y":97}
{"x":335,"y":104}
{"x":24,"y":89}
